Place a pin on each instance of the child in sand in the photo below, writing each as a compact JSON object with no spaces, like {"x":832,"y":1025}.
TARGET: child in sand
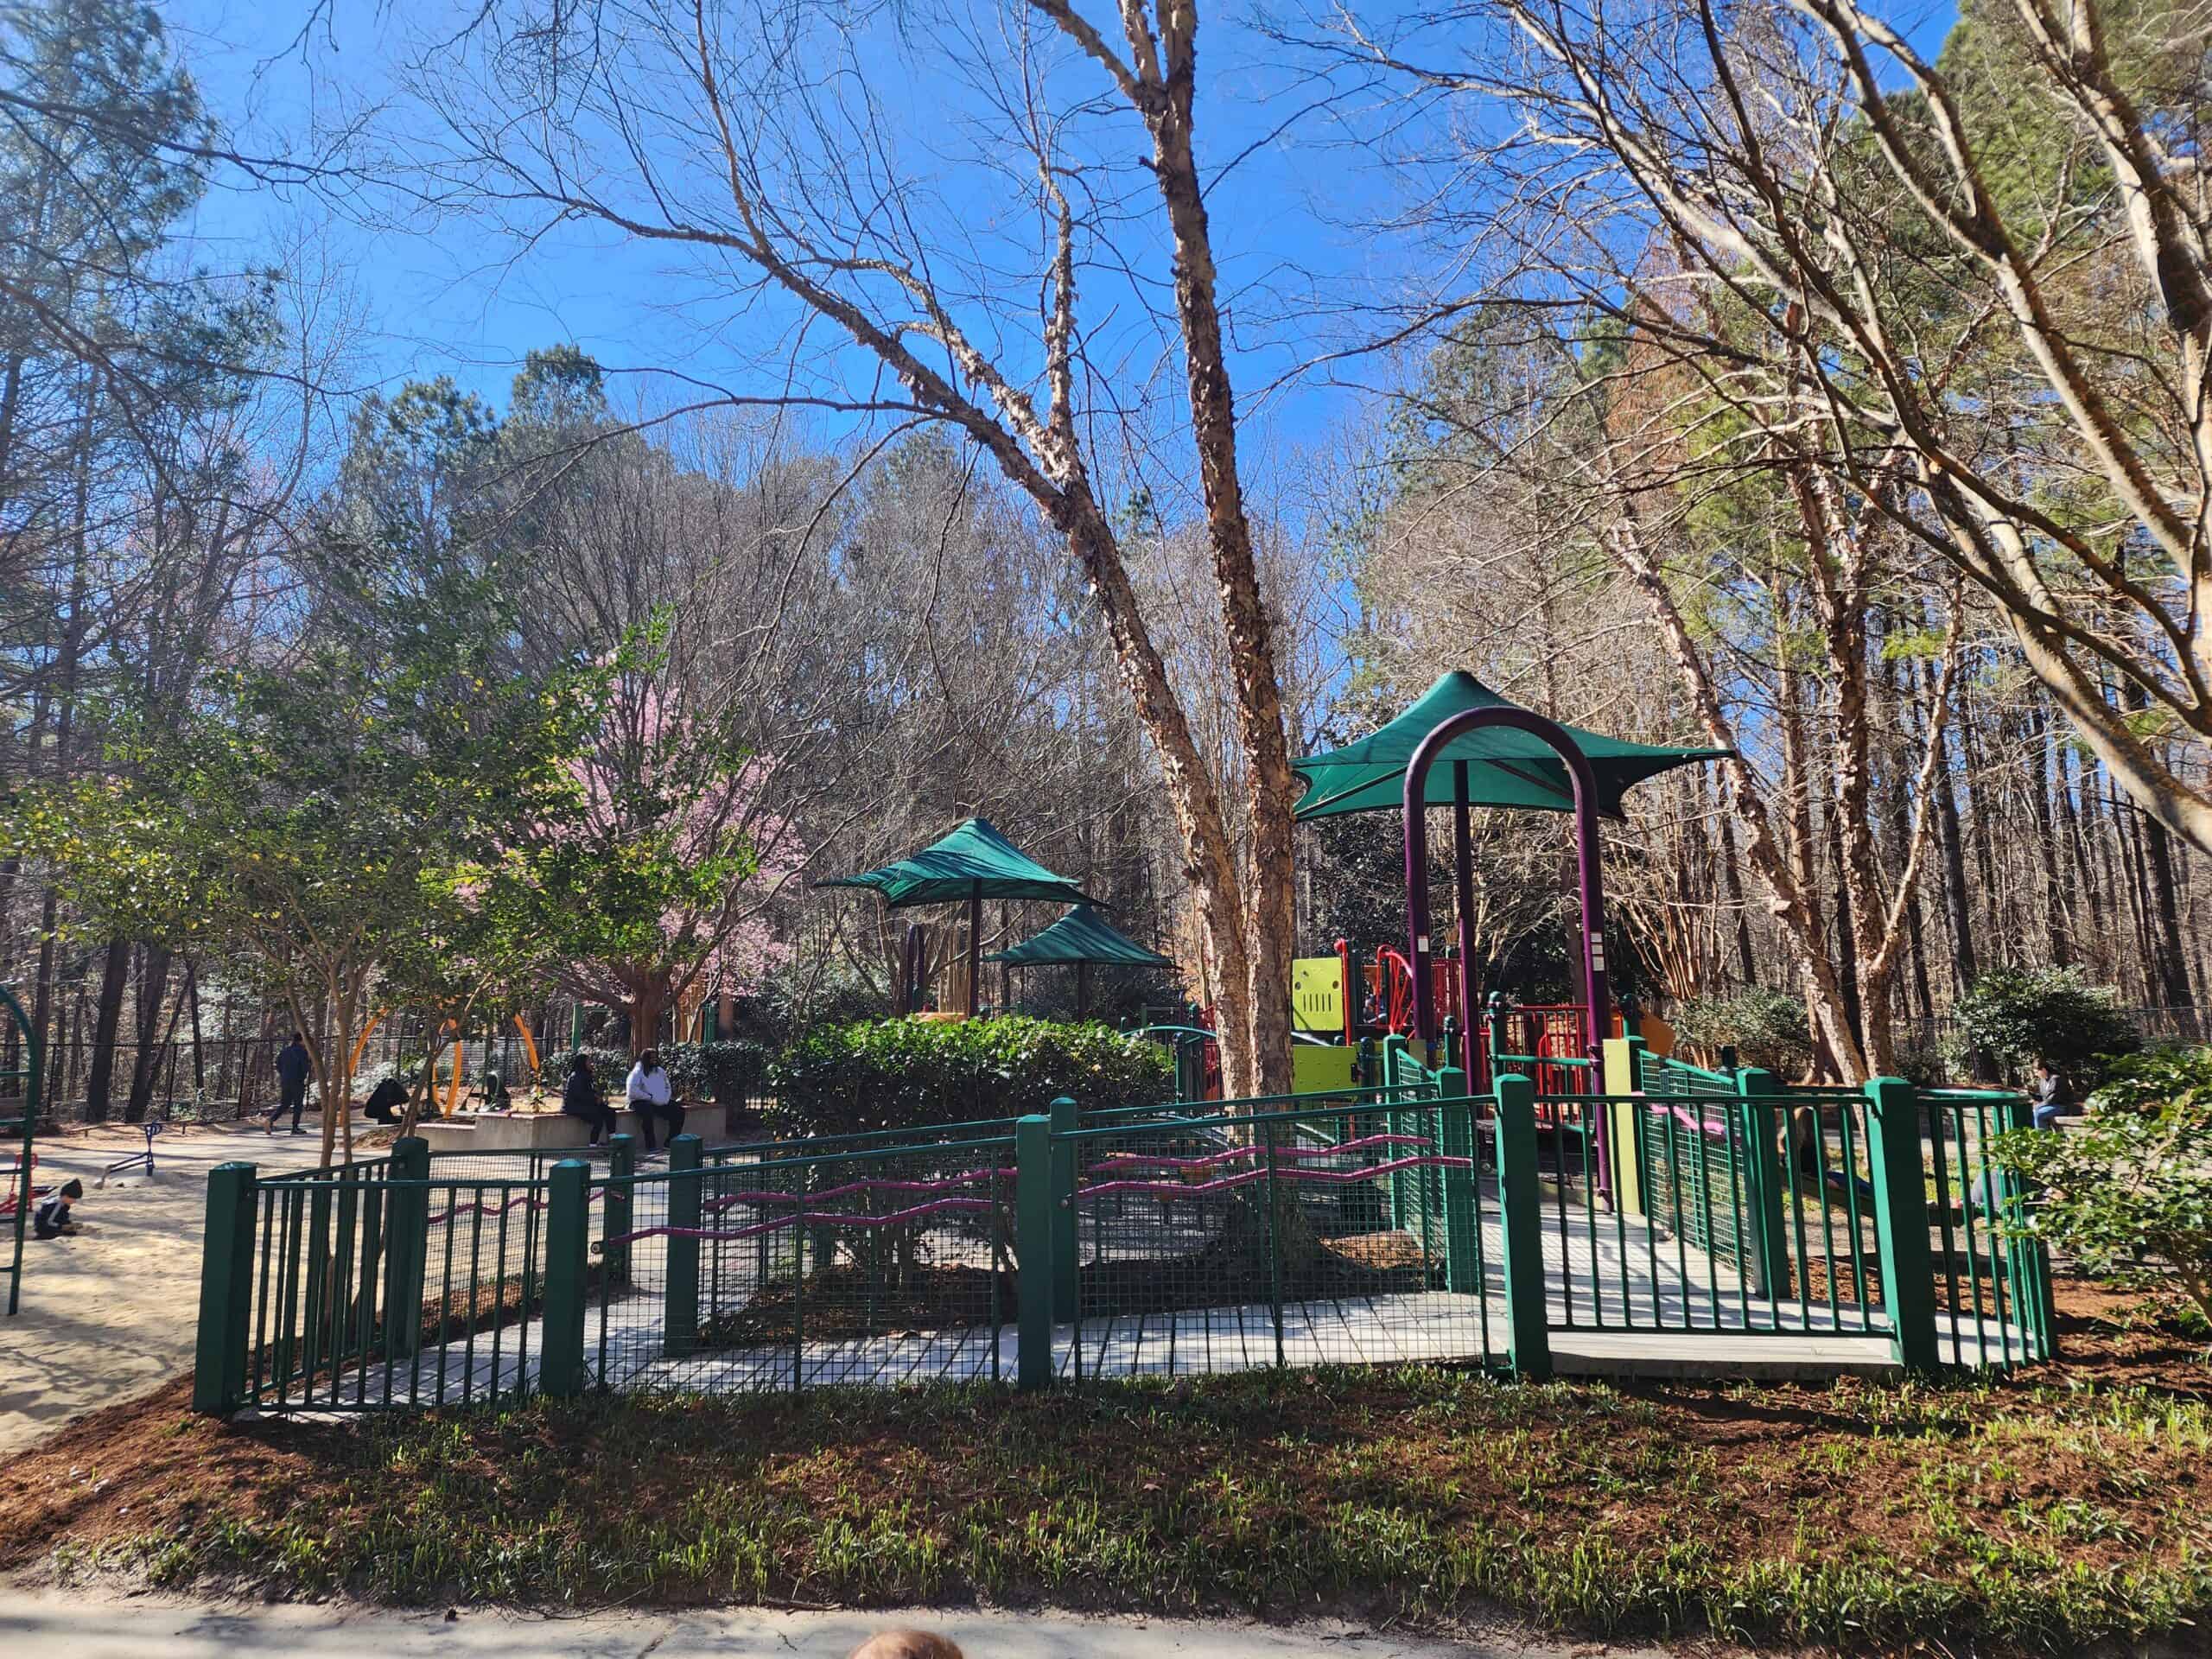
{"x":51,"y":1218}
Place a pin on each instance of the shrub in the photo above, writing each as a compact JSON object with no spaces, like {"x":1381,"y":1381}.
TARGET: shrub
{"x":1767,"y":1028}
{"x":2019,"y":1014}
{"x":901,"y":1073}
{"x":2130,"y":1196}
{"x":2154,"y":1078}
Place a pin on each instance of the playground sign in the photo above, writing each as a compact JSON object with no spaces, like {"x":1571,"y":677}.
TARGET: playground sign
{"x":1316,"y":994}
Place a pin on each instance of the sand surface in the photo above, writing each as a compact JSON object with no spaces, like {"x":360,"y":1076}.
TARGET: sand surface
{"x":109,"y":1315}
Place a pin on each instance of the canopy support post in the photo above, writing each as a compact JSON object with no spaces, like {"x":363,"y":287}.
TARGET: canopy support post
{"x":1081,"y":987}
{"x":975,"y":945}
{"x":1463,"y":872}
{"x":1597,"y":1011}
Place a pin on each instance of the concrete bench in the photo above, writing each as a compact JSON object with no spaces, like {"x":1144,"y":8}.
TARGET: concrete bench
{"x":552,"y":1131}
{"x":507,"y":1132}
{"x":710,"y":1122}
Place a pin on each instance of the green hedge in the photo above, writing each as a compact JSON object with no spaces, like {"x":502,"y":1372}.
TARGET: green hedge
{"x":883,"y":1074}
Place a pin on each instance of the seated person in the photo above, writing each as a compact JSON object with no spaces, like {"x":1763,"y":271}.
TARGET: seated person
{"x":580,"y":1098}
{"x":652,"y":1098}
{"x":2048,"y":1096}
{"x":496,"y":1098}
{"x":51,"y":1218}
{"x":387,"y":1104}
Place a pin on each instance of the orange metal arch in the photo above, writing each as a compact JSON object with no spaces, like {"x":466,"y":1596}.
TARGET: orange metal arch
{"x":460,"y":1058}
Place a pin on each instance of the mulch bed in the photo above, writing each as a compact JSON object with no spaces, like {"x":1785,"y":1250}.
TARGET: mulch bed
{"x":1250,"y":1491}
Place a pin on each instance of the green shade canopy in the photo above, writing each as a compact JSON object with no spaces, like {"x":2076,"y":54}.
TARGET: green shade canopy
{"x":1510,"y":768}
{"x":1081,"y":936}
{"x":974,"y":860}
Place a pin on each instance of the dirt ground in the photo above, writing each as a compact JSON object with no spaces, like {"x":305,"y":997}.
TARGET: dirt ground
{"x":109,"y":1315}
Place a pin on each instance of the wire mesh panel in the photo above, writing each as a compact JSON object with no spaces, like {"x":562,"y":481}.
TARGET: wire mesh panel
{"x":370,"y":1290}
{"x":885,"y":1266}
{"x":1992,"y":1291}
{"x":1744,"y":1214}
{"x":1354,"y":1235}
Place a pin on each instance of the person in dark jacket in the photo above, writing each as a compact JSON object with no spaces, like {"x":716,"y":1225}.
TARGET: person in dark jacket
{"x":51,"y":1218}
{"x":388,"y":1103}
{"x":293,"y":1068}
{"x":580,"y":1097}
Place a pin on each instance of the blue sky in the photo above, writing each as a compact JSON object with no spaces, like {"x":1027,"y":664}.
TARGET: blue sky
{"x":1288,"y":223}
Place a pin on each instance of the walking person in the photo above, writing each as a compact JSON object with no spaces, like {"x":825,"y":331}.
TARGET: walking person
{"x":651,"y":1098}
{"x":292,"y":1069}
{"x":580,"y":1097}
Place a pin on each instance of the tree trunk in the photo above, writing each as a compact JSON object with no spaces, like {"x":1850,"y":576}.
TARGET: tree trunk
{"x":153,"y":991}
{"x":1272,"y":788}
{"x":199,"y":1043}
{"x":646,"y":1007}
{"x":2054,"y":898}
{"x":114,"y":972}
{"x":1733,"y":876}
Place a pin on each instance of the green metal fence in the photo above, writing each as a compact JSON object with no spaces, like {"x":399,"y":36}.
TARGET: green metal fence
{"x":1414,"y":1221}
{"x":1351,"y":1233}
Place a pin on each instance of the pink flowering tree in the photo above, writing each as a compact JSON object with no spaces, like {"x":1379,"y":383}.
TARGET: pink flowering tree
{"x":661,"y":878}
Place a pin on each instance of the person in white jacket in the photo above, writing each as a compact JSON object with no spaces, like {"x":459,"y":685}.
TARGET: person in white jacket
{"x":651,"y":1100}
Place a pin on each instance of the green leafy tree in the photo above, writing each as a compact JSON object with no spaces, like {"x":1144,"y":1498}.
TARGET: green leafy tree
{"x":2020,"y":1014}
{"x":330,"y":822}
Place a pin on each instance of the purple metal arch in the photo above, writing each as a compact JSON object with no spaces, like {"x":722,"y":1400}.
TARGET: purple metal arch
{"x":1597,"y":1004}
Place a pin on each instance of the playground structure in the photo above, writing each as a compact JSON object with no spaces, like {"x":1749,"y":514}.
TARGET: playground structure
{"x":1650,"y":1217}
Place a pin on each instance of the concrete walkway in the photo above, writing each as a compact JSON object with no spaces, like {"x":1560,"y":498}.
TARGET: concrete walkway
{"x":57,"y":1626}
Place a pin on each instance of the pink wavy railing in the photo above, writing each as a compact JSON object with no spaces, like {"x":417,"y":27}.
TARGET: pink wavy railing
{"x":808,"y":1218}
{"x":1315,"y":1177}
{"x":1239,"y":1155}
{"x":480,"y":1208}
{"x":879,"y":1185}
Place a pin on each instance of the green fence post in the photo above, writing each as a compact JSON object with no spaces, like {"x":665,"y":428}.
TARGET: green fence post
{"x":567,"y":1244}
{"x":2029,"y":1260}
{"x":1461,"y":1269}
{"x":218,"y":1363}
{"x":407,"y":1245}
{"x":680,"y":1299}
{"x":1066,"y":1258}
{"x":621,"y":1165}
{"x":1528,"y":1342}
{"x":1033,"y":1229}
{"x":1768,"y":1256}
{"x":1901,"y":1219}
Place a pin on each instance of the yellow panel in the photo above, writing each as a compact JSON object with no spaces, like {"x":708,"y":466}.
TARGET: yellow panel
{"x":1319,"y":1070}
{"x":1316,"y":994}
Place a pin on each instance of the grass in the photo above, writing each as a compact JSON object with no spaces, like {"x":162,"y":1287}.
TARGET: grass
{"x":2044,"y":1513}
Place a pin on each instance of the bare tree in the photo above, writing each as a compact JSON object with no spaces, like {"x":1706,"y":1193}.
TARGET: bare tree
{"x":2012,"y":365}
{"x":753,"y":139}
